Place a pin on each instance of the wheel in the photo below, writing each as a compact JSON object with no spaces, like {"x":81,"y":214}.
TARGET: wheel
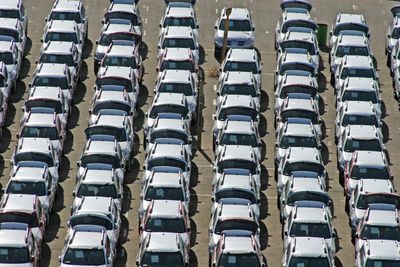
{"x":346,"y":206}
{"x":332,"y":79}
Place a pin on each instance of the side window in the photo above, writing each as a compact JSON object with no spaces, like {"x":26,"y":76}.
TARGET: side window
{"x":49,"y":182}
{"x":22,"y":12}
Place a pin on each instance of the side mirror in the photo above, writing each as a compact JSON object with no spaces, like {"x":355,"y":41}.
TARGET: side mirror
{"x":17,"y":135}
{"x":3,"y":190}
{"x":285,"y":233}
{"x":189,"y":229}
{"x":36,"y":61}
{"x":212,"y":199}
{"x":218,"y":93}
{"x":157,"y":69}
{"x":97,"y":42}
{"x":73,"y":193}
{"x":141,"y":228}
{"x":49,"y":192}
{"x":215,"y":27}
{"x":90,"y":112}
{"x":154,"y":91}
{"x":46,"y":19}
{"x":159,"y":46}
{"x":159,"y":25}
{"x":103,"y":21}
{"x":60,"y":137}
{"x":30,"y":84}
{"x":140,"y":23}
{"x":78,"y":163}
{"x":214,"y":117}
{"x":41,"y":40}
{"x":352,"y":205}
{"x":59,"y":258}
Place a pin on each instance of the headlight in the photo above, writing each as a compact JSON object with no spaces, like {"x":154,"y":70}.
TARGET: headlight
{"x":98,"y":56}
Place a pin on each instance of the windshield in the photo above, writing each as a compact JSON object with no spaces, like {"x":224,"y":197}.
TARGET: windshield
{"x":26,"y":218}
{"x":178,"y":42}
{"x":44,"y":103}
{"x":90,"y":220}
{"x":371,"y":145}
{"x":236,"y":25}
{"x":101,"y":158}
{"x":155,"y":110}
{"x":188,"y":21}
{"x":180,"y":88}
{"x":119,"y":133}
{"x":350,"y":26}
{"x":234,"y":193}
{"x":122,"y":15}
{"x":78,"y":256}
{"x":395,"y":33}
{"x":14,"y":255}
{"x":168,"y":193}
{"x":239,"y":139}
{"x":298,"y":89}
{"x":309,"y":46}
{"x":106,"y":39}
{"x":365,"y":200}
{"x":175,"y":225}
{"x":224,"y":113}
{"x":241,"y":66}
{"x":62,"y":37}
{"x":102,"y":105}
{"x":40,"y":132}
{"x":27,"y":188}
{"x":32,"y":156}
{"x":239,"y":260}
{"x":10,"y":13}
{"x":382,"y":263}
{"x":7,"y":58}
{"x":127,"y":84}
{"x":380,"y":232}
{"x":234,"y":224}
{"x":297,"y":24}
{"x":97,"y":190}
{"x":307,"y":195}
{"x":51,"y":82}
{"x":359,"y":120}
{"x":342,"y":50}
{"x":354,"y":72}
{"x":239,"y":89}
{"x":303,"y":166}
{"x":350,"y":95}
{"x":60,"y":59}
{"x":300,"y":113}
{"x":237,"y":164}
{"x":309,"y":262}
{"x":169,"y":134}
{"x":12,"y":34}
{"x":119,"y":61}
{"x":162,"y":259}
{"x":177,"y":65}
{"x":369,"y":172}
{"x":164,"y":161}
{"x":297,"y":141}
{"x":310,"y":229}
{"x":297,"y":67}
{"x":75,"y":16}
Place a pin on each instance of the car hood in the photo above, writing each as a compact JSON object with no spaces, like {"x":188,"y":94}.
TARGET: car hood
{"x":237,"y":34}
{"x":296,"y":4}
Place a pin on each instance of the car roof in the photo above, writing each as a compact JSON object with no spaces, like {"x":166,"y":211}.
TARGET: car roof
{"x":238,"y":244}
{"x":241,"y":77}
{"x":309,"y":246}
{"x":169,"y":124}
{"x":28,"y":173}
{"x":93,"y":176}
{"x":116,"y":27}
{"x":13,"y":237}
{"x":370,"y":158}
{"x":165,"y":209}
{"x":359,"y":107}
{"x":382,"y":215}
{"x":97,"y":146}
{"x":310,"y":214}
{"x":162,"y":98}
{"x":297,"y":103}
{"x":86,"y":239}
{"x":233,"y":126}
{"x":178,"y":32}
{"x":241,"y":54}
{"x":181,"y":76}
{"x":117,"y":71}
{"x":6,"y":46}
{"x":383,"y":249}
{"x":121,"y":50}
{"x":237,"y":152}
{"x":94,"y":205}
{"x":29,"y":144}
{"x":360,"y":83}
{"x":296,"y":57}
{"x":177,"y":53}
{"x":62,"y":26}
{"x":309,"y":154}
{"x":362,"y":131}
{"x":297,"y":79}
{"x":306,"y":184}
{"x":236,"y":13}
{"x":173,"y":150}
{"x":228,"y":211}
{"x":298,"y":129}
{"x":350,"y":18}
{"x":353,"y":40}
{"x":161,"y":179}
{"x":111,"y":120}
{"x":51,"y":69}
{"x":47,"y":92}
{"x":357,"y":61}
{"x":21,"y":202}
{"x":238,"y":100}
{"x":55,"y":47}
{"x":375,"y":186}
{"x":162,"y":242}
{"x":67,"y":5}
{"x":179,"y":12}
{"x":105,"y":95}
{"x":9,"y":23}
{"x":236,"y":181}
{"x":40,"y":119}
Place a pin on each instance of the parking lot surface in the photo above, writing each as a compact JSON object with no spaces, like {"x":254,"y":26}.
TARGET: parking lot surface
{"x":265,"y":14}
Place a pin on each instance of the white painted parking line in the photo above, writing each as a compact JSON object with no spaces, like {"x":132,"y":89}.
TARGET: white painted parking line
{"x":355,"y":7}
{"x":214,"y":102}
{"x":216,"y":11}
{"x":268,"y":74}
{"x":215,"y":87}
{"x":144,"y":33}
{"x":145,"y":20}
{"x":147,"y":8}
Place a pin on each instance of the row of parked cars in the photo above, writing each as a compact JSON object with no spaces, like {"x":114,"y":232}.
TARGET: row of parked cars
{"x":306,"y":207}
{"x":364,"y":168}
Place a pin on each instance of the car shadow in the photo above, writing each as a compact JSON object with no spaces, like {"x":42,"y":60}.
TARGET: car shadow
{"x":264,"y":101}
{"x":321,"y":82}
{"x":202,"y":55}
{"x":193,"y":233}
{"x":193,"y":259}
{"x":321,"y":105}
{"x":84,"y":71}
{"x":28,"y":46}
{"x":11,"y":111}
{"x":87,"y":50}
{"x":194,"y":175}
{"x":24,"y":70}
{"x":19,"y":92}
{"x":79,"y":93}
{"x":5,"y":140}
{"x":263,"y":206}
{"x":143,"y":50}
{"x":126,"y":199}
{"x":123,"y":234}
{"x":144,"y":93}
{"x":131,"y":176}
{"x":264,"y":177}
{"x":64,"y":169}
{"x":193,"y":202}
{"x":263,"y":236}
{"x":324,"y":153}
{"x":52,"y":228}
{"x":45,"y":255}
{"x":121,"y":257}
{"x":73,"y":117}
{"x":138,"y":120}
{"x":58,"y":204}
{"x":385,"y":132}
{"x":68,"y":142}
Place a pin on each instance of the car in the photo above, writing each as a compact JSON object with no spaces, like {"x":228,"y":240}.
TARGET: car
{"x":15,"y":9}
{"x":240,"y":29}
{"x":111,"y":32}
{"x":112,"y":100}
{"x":350,"y":45}
{"x":179,"y":82}
{"x":179,"y":36}
{"x":3,"y":112}
{"x":360,"y":89}
{"x":36,"y":150}
{"x":58,"y":75}
{"x":239,"y":83}
{"x":356,"y":113}
{"x":171,"y":103}
{"x":17,"y":208}
{"x":98,"y":183}
{"x":70,"y":10}
{"x":44,"y":123}
{"x":299,"y":159}
{"x":393,"y":32}
{"x":12,"y":29}
{"x":295,"y":133}
{"x":304,"y":188}
{"x":366,"y":192}
{"x":164,"y":186}
{"x":308,"y":251}
{"x":234,"y":159}
{"x":63,"y":31}
{"x":88,"y":247}
{"x":243,"y":60}
{"x":237,"y":189}
{"x":124,"y":13}
{"x":378,"y":252}
{"x":115,"y":77}
{"x":102,"y":151}
{"x":106,"y":214}
{"x":62,"y":53}
{"x":380,"y":221}
{"x":234,"y":105}
{"x":47,"y":98}
{"x":295,"y":69}
{"x":166,"y":128}
{"x":237,"y":250}
{"x":310,"y":221}
{"x":300,"y":106}
{"x":365,"y":165}
{"x":346,"y":22}
{"x":6,"y":85}
{"x":353,"y":66}
{"x":34,"y":180}
{"x":18,"y":246}
{"x":123,"y":54}
{"x":12,"y":58}
{"x":357,"y":137}
{"x":232,"y":218}
{"x":239,"y":131}
{"x":167,"y":154}
{"x":162,"y":248}
{"x":168,"y":216}
{"x":179,"y":16}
